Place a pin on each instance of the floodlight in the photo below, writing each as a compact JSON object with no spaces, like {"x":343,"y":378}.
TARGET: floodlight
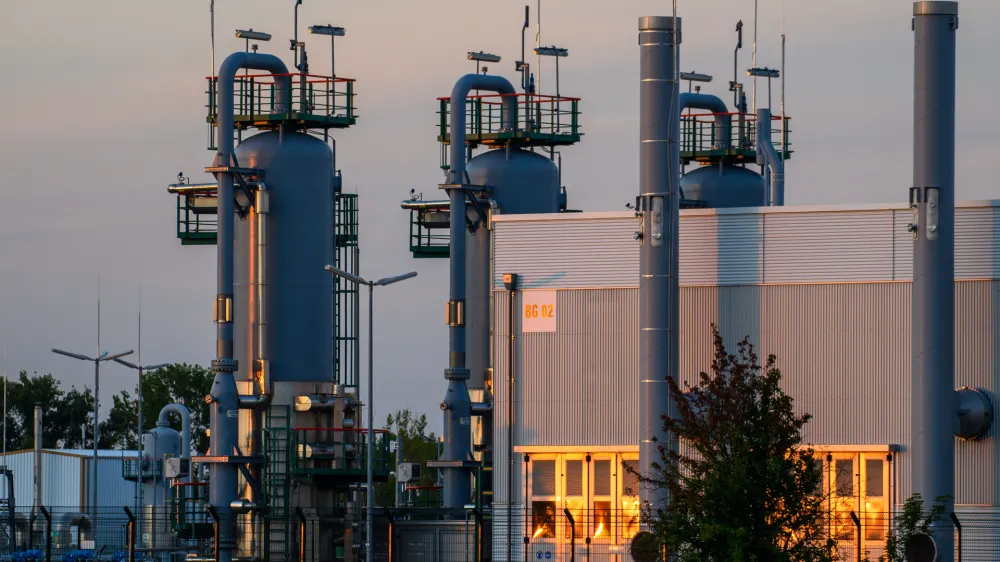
{"x":327,"y":30}
{"x":73,"y":355}
{"x":106,"y":357}
{"x":252,"y":35}
{"x":396,"y":279}
{"x":346,"y":275}
{"x":695,"y":77}
{"x":764,"y":72}
{"x":121,"y":361}
{"x":483,"y":57}
{"x":552,"y":52}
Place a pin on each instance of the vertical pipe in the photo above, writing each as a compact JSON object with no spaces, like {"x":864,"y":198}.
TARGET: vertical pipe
{"x":510,"y":413}
{"x":38,"y":456}
{"x":934,"y":400}
{"x":224,"y":396}
{"x":658,"y":202}
{"x":457,"y":404}
{"x":370,"y":519}
{"x":131,"y":534}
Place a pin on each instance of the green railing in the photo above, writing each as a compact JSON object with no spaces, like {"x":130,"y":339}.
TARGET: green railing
{"x":150,"y":468}
{"x":541,"y":120}
{"x":429,"y":234}
{"x":197,"y":221}
{"x":316,"y":101}
{"x":340,"y":452}
{"x":699,"y":136}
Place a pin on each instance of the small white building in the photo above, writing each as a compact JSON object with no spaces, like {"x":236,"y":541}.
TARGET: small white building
{"x":67,"y":476}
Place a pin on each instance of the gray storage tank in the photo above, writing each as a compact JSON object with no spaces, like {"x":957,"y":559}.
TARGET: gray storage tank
{"x":724,"y":185}
{"x":298,"y":294}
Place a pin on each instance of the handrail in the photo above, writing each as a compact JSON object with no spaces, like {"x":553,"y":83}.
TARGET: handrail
{"x":345,"y":429}
{"x":546,"y":97}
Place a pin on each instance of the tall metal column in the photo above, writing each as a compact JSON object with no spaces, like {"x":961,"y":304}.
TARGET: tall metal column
{"x":933,"y":196}
{"x":658,"y":204}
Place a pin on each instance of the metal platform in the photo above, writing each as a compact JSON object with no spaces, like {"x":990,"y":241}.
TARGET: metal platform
{"x":542,"y":120}
{"x":317,"y":102}
{"x":699,"y":142}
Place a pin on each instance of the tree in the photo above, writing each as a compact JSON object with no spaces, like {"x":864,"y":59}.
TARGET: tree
{"x":63,"y":413}
{"x":418,"y":447}
{"x":742,"y":487}
{"x":910,"y":522}
{"x":179,"y":383}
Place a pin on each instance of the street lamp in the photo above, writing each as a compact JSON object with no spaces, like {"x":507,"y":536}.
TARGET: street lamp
{"x":97,"y":409}
{"x":138,"y":435}
{"x":768,"y":73}
{"x":556,"y":52}
{"x":481,"y":57}
{"x":333,"y":32}
{"x":370,"y":522}
{"x":695,"y":77}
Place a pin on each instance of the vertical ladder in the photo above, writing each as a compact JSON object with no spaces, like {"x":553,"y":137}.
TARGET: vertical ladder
{"x":345,"y":294}
{"x":277,"y":483}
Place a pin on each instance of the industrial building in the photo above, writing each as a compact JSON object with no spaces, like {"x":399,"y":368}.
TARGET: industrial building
{"x":67,"y":478}
{"x":826,"y":289}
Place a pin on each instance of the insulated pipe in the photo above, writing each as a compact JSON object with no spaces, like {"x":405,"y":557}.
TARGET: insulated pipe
{"x":723,"y":121}
{"x":767,"y":153}
{"x":457,"y":404}
{"x":658,"y":204}
{"x":935,"y":402}
{"x":164,"y":421}
{"x":225,"y":397}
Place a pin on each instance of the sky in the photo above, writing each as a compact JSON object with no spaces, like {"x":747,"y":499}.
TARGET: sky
{"x":103,"y":104}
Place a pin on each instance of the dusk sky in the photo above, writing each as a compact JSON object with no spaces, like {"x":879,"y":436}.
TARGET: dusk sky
{"x":103,"y":104}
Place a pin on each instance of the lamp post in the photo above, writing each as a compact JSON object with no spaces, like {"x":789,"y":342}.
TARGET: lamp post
{"x":333,"y":32}
{"x":97,"y":409}
{"x":370,"y":519}
{"x":138,"y":434}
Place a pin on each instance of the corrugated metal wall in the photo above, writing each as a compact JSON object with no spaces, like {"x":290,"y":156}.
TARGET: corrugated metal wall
{"x":740,"y":246}
{"x":66,"y":480}
{"x":844,"y":350}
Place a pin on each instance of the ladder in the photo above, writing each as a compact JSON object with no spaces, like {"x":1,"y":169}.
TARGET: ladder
{"x":277,"y":483}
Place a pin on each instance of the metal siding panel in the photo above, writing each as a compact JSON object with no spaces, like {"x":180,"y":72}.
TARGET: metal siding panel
{"x":567,"y":253}
{"x":721,"y":249}
{"x":844,"y":350}
{"x":738,"y":248}
{"x":977,"y":253}
{"x":902,"y":244}
{"x":843,"y":246}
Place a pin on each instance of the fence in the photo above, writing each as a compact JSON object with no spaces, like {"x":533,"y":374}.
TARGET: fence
{"x":401,"y":535}
{"x":604,"y":534}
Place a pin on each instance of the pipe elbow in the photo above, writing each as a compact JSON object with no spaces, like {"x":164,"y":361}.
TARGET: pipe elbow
{"x":251,"y":402}
{"x":182,"y":411}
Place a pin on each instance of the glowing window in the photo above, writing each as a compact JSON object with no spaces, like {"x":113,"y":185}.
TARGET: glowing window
{"x":574,"y":478}
{"x":543,"y":519}
{"x":543,"y":478}
{"x":602,"y":478}
{"x":845,"y":477}
{"x":630,"y":478}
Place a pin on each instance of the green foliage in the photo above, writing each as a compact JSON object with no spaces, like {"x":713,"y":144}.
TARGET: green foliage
{"x":418,"y":447}
{"x":912,"y":520}
{"x":743,"y":488}
{"x":179,"y":383}
{"x":63,"y":413}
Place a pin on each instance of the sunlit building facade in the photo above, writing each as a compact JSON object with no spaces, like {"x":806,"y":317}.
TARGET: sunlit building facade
{"x":825,"y":289}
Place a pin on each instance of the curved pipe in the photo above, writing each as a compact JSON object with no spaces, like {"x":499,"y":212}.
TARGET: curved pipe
{"x":224,"y":131}
{"x":223,"y":489}
{"x":164,"y":421}
{"x":771,"y":159}
{"x":458,"y":437}
{"x":717,"y":107}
